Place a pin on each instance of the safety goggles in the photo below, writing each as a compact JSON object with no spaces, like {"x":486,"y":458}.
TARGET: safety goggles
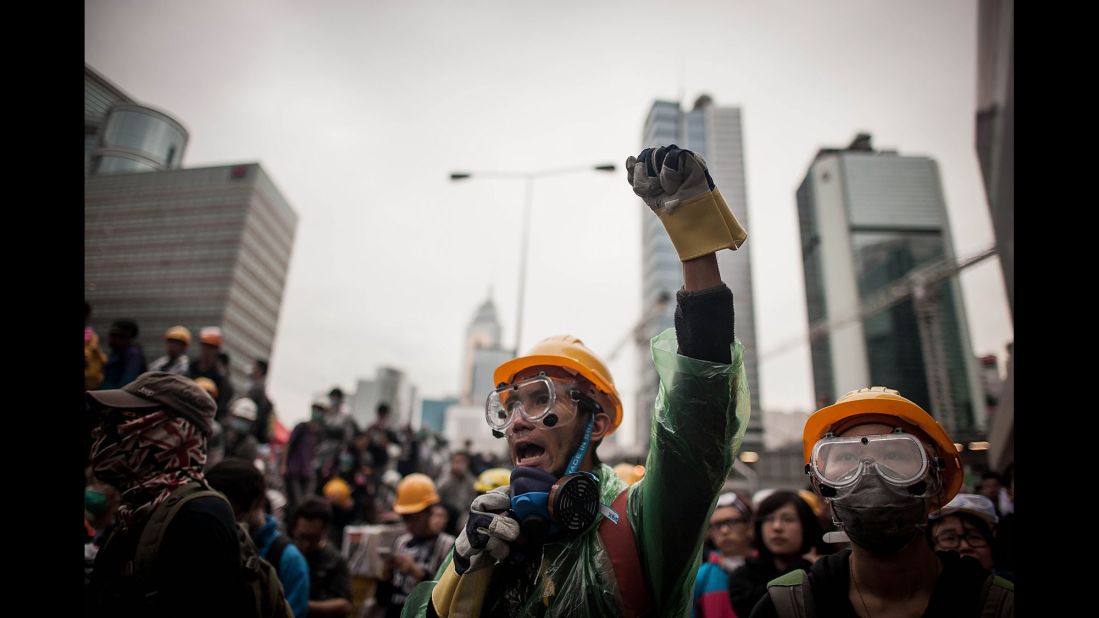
{"x":898,"y":458}
{"x":534,"y":399}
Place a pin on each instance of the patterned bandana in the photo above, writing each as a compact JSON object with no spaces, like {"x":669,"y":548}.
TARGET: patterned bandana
{"x":146,"y":458}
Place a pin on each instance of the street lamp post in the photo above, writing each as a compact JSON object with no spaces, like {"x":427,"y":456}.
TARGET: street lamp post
{"x":528,"y":178}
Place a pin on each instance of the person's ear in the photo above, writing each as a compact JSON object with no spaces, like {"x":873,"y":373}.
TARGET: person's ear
{"x":601,"y":426}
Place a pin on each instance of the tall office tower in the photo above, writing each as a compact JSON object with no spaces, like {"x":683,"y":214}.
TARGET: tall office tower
{"x":715,"y":133}
{"x":163,"y":245}
{"x":869,"y":219}
{"x":996,"y":151}
{"x":482,"y":355}
{"x":392,"y":387}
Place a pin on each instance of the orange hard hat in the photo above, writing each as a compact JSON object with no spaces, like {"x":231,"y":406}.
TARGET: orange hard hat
{"x":338,"y":492}
{"x":179,"y":333}
{"x":569,"y":353}
{"x":885,"y":405}
{"x":208,"y":385}
{"x":629,"y":473}
{"x":211,"y":335}
{"x":415,"y":493}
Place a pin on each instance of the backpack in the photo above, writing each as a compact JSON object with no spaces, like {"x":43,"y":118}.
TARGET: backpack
{"x":792,"y":596}
{"x":259,"y":579}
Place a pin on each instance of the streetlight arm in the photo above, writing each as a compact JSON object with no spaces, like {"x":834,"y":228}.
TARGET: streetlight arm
{"x":606,"y":167}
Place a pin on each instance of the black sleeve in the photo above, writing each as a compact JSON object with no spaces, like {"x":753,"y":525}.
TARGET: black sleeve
{"x":745,"y":590}
{"x":200,"y":558}
{"x":704,"y":323}
{"x":341,"y":581}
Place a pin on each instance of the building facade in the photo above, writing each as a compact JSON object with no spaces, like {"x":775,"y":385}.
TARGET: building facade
{"x":166,"y":245}
{"x":199,"y":247}
{"x":715,"y":133}
{"x":868,"y":221}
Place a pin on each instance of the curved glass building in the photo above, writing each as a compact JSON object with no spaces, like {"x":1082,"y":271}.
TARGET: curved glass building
{"x":136,"y":138}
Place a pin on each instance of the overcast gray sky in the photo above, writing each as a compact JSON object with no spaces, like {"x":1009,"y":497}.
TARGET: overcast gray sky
{"x":359,"y":110}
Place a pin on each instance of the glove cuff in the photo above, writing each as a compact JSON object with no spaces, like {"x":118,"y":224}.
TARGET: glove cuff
{"x":736,"y":230}
{"x":702,"y":225}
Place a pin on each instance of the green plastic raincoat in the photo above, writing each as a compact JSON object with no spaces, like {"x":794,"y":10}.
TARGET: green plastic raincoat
{"x":702,"y":411}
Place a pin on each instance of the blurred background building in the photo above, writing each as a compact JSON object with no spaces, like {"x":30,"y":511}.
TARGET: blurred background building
{"x":166,"y":245}
{"x":715,"y":133}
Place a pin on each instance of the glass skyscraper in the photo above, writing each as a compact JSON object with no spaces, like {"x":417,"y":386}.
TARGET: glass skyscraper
{"x":868,"y":219}
{"x":715,"y":133}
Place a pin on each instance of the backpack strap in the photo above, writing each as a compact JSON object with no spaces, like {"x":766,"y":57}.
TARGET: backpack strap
{"x":617,"y":537}
{"x":999,"y":598}
{"x":792,"y":595}
{"x":274,"y":552}
{"x":153,"y":533}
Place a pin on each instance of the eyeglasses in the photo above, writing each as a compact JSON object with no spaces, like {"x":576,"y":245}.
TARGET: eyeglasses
{"x":727,"y":523}
{"x":952,"y":540}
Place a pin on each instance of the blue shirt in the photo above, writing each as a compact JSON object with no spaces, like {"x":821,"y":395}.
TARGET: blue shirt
{"x":292,"y":569}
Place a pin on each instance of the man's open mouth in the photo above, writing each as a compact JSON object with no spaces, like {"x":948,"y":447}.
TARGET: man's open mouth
{"x":529,"y":454}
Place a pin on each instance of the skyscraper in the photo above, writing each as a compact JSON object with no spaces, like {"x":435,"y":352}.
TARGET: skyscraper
{"x":482,"y":354}
{"x":715,"y":133}
{"x":869,"y":219}
{"x":166,"y":245}
{"x":996,"y":151}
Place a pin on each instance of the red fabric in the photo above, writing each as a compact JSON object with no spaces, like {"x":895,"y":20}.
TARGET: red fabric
{"x":281,"y":435}
{"x":715,"y":604}
{"x":622,"y":550}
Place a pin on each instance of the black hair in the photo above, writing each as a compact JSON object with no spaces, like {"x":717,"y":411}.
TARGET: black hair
{"x":810,"y":525}
{"x":383,"y":409}
{"x":127,"y":327}
{"x":314,"y":508}
{"x":992,"y":474}
{"x":336,"y":392}
{"x":262,"y":364}
{"x":223,"y":357}
{"x":239,"y":480}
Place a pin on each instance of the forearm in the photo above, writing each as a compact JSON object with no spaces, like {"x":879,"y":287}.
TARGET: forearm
{"x":701,"y":273}
{"x":337,"y":608}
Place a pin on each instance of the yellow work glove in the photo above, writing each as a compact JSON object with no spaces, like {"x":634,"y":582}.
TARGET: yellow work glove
{"x":678,"y":188}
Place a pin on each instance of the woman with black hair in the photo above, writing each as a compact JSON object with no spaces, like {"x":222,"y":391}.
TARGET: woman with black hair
{"x":785,"y":530}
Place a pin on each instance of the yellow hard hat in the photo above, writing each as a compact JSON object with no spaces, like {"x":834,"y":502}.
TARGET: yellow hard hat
{"x":812,"y":500}
{"x":338,"y":492}
{"x":178,"y":333}
{"x":885,"y":405}
{"x":569,"y":353}
{"x":492,"y":478}
{"x":415,"y":493}
{"x":629,"y":473}
{"x":208,"y":385}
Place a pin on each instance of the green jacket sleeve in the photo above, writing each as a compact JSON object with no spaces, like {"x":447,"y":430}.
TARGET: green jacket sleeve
{"x":701,"y":413}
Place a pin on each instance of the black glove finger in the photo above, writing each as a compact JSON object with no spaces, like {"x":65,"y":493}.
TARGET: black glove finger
{"x":477,"y":539}
{"x":673,"y":155}
{"x":646,"y":156}
{"x":461,"y":563}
